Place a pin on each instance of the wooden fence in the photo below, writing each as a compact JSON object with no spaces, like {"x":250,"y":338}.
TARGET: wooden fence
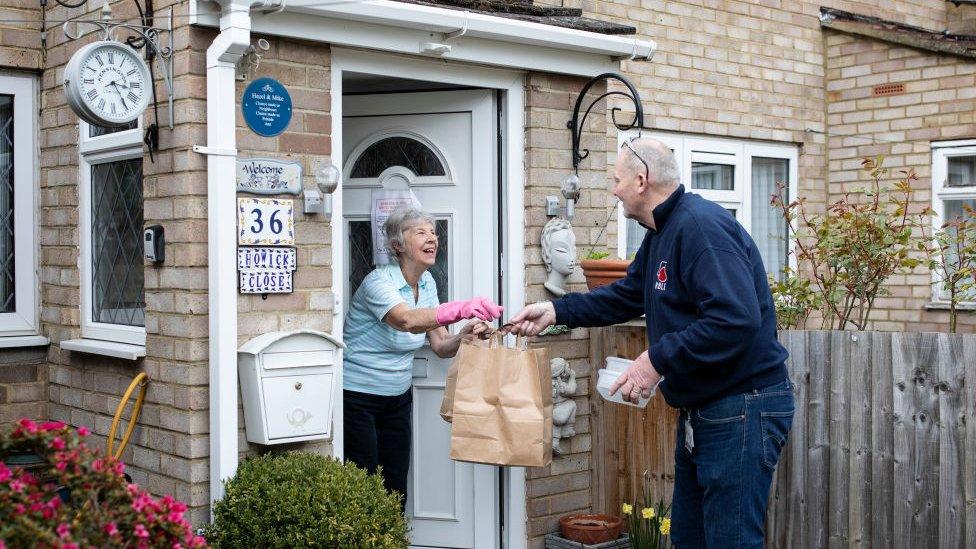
{"x":882,"y":452}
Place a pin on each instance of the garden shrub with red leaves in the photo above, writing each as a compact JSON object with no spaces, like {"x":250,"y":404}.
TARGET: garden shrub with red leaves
{"x":78,"y":499}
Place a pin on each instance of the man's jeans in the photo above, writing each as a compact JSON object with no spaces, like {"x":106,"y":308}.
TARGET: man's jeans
{"x":721,"y":486}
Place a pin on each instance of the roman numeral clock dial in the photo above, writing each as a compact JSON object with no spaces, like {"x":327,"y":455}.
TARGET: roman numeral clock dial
{"x":107,"y":83}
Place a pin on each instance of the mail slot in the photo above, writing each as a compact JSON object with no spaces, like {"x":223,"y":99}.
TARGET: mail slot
{"x":288,"y":382}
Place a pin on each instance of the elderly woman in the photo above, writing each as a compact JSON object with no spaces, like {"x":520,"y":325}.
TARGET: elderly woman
{"x":394,"y":310}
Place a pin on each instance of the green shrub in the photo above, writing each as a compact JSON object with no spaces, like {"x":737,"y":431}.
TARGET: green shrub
{"x":306,"y":500}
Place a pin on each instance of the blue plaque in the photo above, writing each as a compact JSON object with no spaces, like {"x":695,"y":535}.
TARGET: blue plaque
{"x":267,"y":107}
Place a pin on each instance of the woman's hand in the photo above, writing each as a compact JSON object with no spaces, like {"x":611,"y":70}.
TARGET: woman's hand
{"x":475,"y":329}
{"x":480,"y":307}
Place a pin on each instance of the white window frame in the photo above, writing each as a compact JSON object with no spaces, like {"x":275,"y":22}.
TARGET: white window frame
{"x":720,"y":150}
{"x":942,"y":151}
{"x":24,"y":319}
{"x":113,"y":147}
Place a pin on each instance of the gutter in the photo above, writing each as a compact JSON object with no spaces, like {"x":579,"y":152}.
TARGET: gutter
{"x":450,"y":34}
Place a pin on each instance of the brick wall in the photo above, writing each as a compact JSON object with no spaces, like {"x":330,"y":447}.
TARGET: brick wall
{"x":20,"y":40}
{"x":938,"y":103}
{"x":564,"y":486}
{"x":304,"y":68}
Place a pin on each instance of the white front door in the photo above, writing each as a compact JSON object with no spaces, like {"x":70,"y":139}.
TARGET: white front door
{"x":441,"y":146}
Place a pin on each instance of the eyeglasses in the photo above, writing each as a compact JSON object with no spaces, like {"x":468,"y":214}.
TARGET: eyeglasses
{"x":647,"y":169}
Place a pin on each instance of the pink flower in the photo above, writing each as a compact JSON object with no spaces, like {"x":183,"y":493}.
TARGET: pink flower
{"x":175,"y":546}
{"x":174,"y":516}
{"x":17,"y":485}
{"x":97,"y":465}
{"x":61,"y":465}
{"x":70,"y":546}
{"x":28,"y":425}
{"x":140,"y":531}
{"x":63,"y":530}
{"x":5,"y":473}
{"x":2,"y":544}
{"x":111,"y":529}
{"x":52,"y":426}
{"x":118,"y":467}
{"x":19,"y":509}
{"x":133,"y":489}
{"x":83,"y":431}
{"x":57,"y":443}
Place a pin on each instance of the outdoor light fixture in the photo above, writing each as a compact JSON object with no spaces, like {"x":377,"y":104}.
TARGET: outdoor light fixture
{"x":327,"y":178}
{"x":571,"y":186}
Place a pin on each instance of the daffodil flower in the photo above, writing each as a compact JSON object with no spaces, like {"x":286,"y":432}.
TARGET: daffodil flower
{"x":647,"y":512}
{"x":666,"y":527}
{"x":627,"y":508}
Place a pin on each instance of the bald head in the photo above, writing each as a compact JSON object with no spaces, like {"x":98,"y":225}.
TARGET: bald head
{"x":660,"y":160}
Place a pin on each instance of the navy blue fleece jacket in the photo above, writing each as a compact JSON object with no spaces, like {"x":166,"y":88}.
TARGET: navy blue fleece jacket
{"x":700,"y":281}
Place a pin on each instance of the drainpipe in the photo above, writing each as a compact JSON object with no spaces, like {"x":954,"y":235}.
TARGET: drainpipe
{"x":222,"y":57}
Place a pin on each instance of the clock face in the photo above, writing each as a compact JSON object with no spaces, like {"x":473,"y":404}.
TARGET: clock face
{"x":107,"y":83}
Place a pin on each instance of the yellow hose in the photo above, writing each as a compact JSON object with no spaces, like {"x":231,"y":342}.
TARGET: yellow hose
{"x":140,"y":381}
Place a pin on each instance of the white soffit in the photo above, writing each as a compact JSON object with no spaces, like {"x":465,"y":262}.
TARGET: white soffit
{"x":391,"y":26}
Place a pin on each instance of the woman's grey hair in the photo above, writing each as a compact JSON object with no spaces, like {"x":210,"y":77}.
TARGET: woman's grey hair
{"x":660,"y":160}
{"x":403,"y":218}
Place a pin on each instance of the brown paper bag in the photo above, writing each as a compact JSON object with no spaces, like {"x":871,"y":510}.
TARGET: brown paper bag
{"x":502,"y":404}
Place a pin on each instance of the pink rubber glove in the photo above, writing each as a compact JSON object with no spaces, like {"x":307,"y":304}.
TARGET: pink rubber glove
{"x":481,"y":308}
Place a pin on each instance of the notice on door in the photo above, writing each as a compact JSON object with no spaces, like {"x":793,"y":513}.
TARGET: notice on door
{"x":383,"y":204}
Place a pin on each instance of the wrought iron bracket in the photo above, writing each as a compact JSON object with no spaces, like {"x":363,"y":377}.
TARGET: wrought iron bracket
{"x":576,"y":124}
{"x":150,"y":36}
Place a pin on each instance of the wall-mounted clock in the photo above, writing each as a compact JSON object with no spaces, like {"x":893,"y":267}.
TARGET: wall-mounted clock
{"x":107,"y":83}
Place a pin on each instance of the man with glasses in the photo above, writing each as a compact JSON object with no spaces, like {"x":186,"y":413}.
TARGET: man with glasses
{"x":711,"y":328}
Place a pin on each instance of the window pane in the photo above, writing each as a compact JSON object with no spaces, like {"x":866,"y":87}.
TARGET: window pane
{"x":7,"y":302}
{"x":954,"y":211}
{"x":768,"y":225}
{"x":962,"y":171}
{"x":95,"y":131}
{"x":732,"y":211}
{"x":361,"y":257}
{"x":397,"y":151}
{"x":719,"y":177}
{"x":635,"y":235}
{"x":117,"y":269}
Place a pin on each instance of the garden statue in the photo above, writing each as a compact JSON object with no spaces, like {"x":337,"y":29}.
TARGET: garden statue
{"x":563,"y":405}
{"x":558,"y":254}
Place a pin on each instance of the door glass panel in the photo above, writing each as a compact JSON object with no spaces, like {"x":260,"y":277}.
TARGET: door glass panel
{"x":707,"y":175}
{"x":6,"y":203}
{"x":962,"y":171}
{"x":397,"y":151}
{"x":361,"y":257}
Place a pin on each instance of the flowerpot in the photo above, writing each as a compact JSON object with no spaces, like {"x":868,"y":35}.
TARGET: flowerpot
{"x":590,"y":529}
{"x":600,"y":272}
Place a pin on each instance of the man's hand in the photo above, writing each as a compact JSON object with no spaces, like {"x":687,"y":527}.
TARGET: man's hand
{"x":637,"y":381}
{"x":533,"y":319}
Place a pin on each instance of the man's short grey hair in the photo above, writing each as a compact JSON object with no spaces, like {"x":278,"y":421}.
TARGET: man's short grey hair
{"x":660,"y":160}
{"x":403,"y":218}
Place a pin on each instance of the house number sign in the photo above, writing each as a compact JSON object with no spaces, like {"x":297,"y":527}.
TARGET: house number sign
{"x":265,"y":222}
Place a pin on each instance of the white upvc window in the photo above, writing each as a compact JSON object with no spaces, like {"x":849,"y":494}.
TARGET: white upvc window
{"x":18,"y":207}
{"x":111,"y":221}
{"x":739,"y":175}
{"x":953,"y":189}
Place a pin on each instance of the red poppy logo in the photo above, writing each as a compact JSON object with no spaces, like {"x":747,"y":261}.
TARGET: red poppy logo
{"x":662,"y":272}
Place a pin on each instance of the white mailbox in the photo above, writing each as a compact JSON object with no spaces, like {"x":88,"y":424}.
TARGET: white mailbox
{"x":288,"y":382}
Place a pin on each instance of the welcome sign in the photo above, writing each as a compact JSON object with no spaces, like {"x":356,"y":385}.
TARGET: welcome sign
{"x":268,"y":176}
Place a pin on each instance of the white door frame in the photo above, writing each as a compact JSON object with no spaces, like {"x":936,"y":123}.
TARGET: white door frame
{"x":512,"y":207}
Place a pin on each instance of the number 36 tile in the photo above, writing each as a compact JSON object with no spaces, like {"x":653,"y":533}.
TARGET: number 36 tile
{"x":265,"y":222}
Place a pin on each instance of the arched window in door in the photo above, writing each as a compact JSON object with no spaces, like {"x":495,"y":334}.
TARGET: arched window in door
{"x":398,"y":150}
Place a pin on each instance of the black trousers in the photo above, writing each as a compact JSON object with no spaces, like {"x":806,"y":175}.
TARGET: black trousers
{"x":377,"y":433}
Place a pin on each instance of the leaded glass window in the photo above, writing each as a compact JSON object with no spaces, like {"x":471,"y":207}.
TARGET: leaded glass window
{"x":397,"y":151}
{"x":7,"y":273}
{"x":361,"y":257}
{"x":97,"y":131}
{"x":116,"y":237}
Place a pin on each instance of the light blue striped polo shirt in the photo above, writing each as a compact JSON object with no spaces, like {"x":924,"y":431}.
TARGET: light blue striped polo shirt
{"x":378,"y":359}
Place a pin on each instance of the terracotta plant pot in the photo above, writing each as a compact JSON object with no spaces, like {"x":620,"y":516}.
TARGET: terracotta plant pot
{"x":600,"y":272}
{"x":590,"y":529}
